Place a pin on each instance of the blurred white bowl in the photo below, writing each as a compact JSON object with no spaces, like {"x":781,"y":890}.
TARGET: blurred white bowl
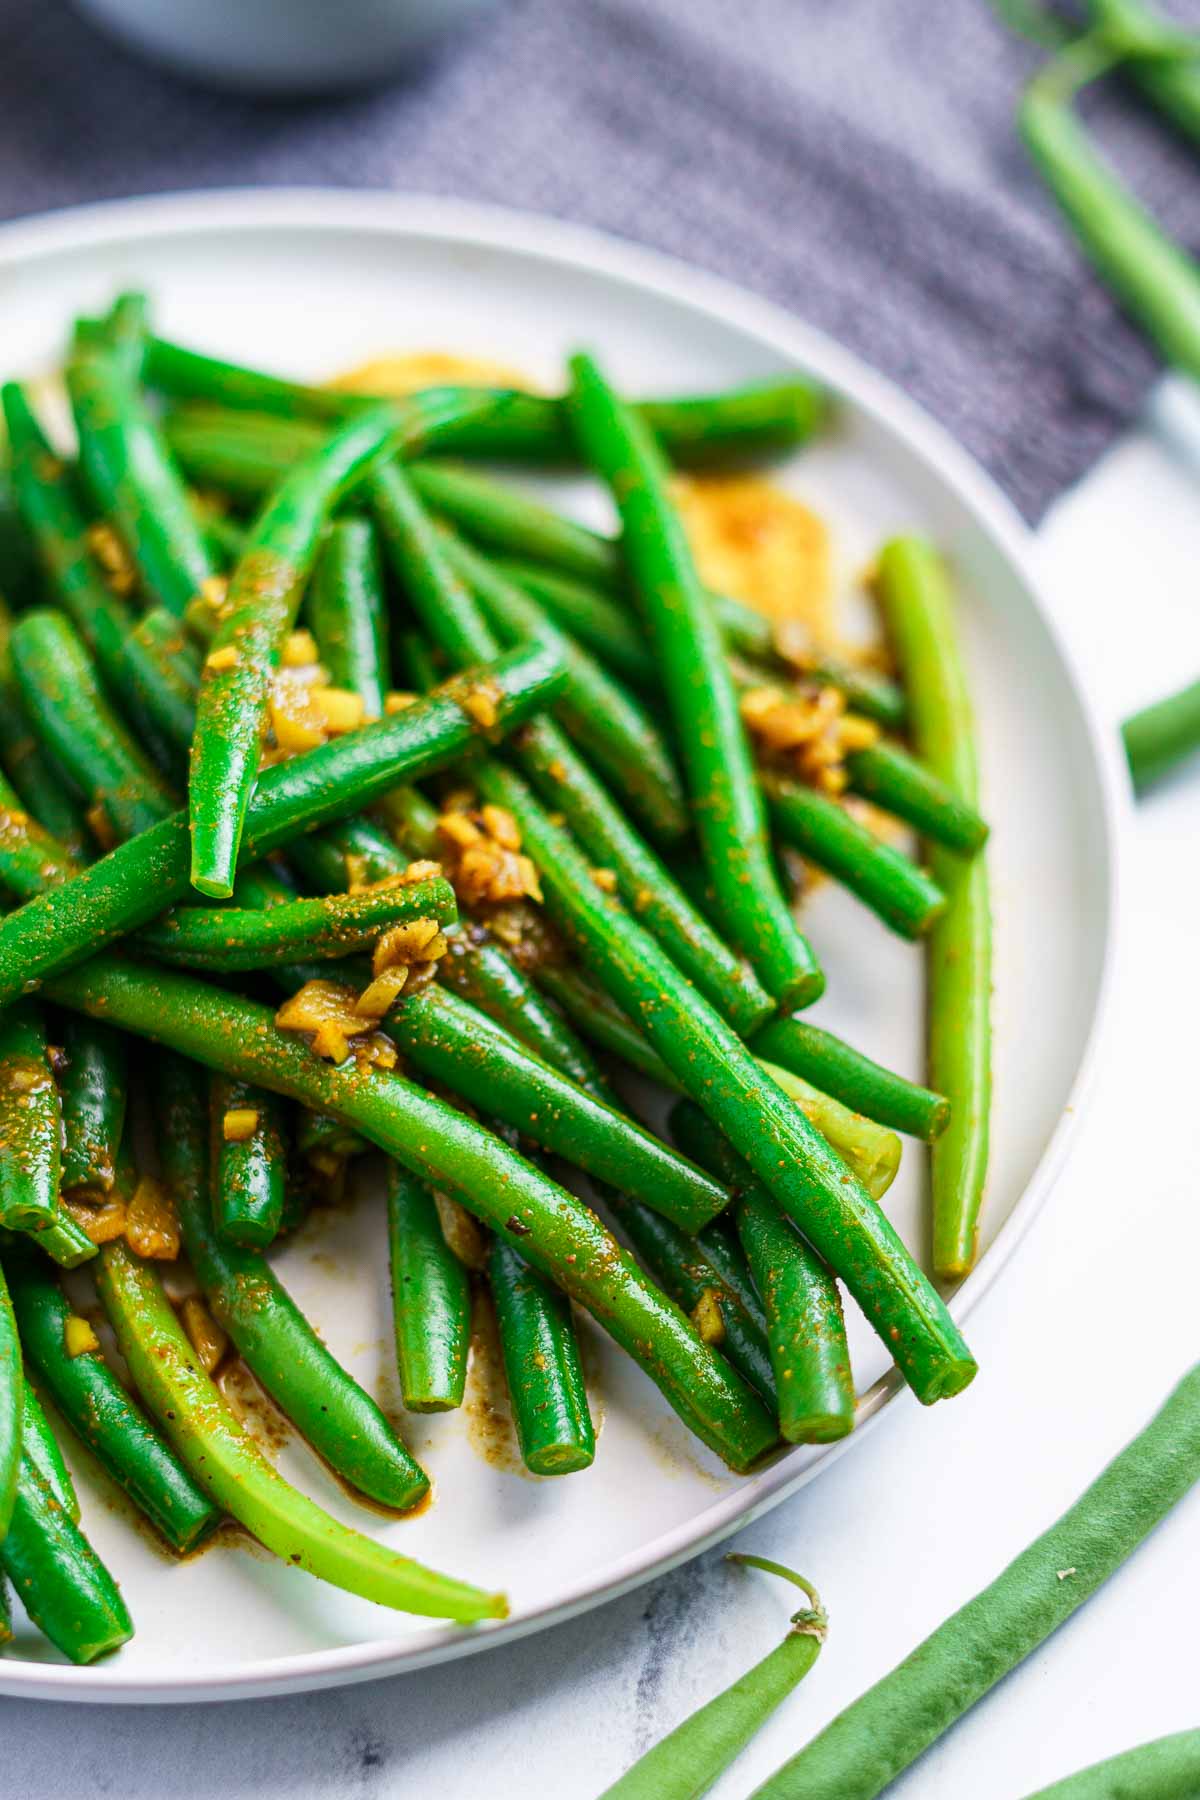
{"x":281,"y":47}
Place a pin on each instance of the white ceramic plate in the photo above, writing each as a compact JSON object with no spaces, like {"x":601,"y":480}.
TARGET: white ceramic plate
{"x":312,"y":281}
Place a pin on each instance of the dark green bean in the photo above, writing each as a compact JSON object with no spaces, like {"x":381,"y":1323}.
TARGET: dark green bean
{"x":479,"y":971}
{"x":30,"y":1121}
{"x":278,"y":1344}
{"x":348,"y":613}
{"x":699,"y":690}
{"x":30,"y":859}
{"x":137,"y":880}
{"x":431,"y":1299}
{"x":100,"y":1411}
{"x":62,"y":1584}
{"x":845,"y":1073}
{"x":249,"y":1166}
{"x":45,"y":791}
{"x":542,"y":1366}
{"x":883,"y":878}
{"x":93,"y":1087}
{"x":555,"y":1231}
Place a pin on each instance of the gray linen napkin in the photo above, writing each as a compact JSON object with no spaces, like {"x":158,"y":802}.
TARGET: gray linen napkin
{"x":855,"y":160}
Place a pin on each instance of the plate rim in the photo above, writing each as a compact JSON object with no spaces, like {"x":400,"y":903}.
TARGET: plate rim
{"x":468,"y":223}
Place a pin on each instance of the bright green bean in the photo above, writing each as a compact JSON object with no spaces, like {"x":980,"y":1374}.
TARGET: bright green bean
{"x":542,"y":1366}
{"x":12,"y":1388}
{"x":1162,"y":735}
{"x":93,"y":1088}
{"x":348,"y":612}
{"x":899,"y":784}
{"x":431,"y":1299}
{"x":63,"y":1585}
{"x":249,"y":1172}
{"x":40,"y":1445}
{"x":30,"y":1122}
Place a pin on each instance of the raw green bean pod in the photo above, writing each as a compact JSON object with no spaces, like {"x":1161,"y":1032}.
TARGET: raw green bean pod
{"x":806,"y":1331}
{"x":812,"y":1184}
{"x":58,"y":685}
{"x":918,"y":611}
{"x":883,"y":878}
{"x":554,"y":1230}
{"x":1162,"y":735}
{"x":40,"y":1445}
{"x":678,"y":1263}
{"x":899,"y":784}
{"x":879,"y":1735}
{"x":453,"y":1044}
{"x":1167,"y":1769}
{"x":257,"y":616}
{"x":700,"y":692}
{"x":454,"y":622}
{"x":431,"y":1299}
{"x":133,"y":883}
{"x":12,"y":1389}
{"x":227,"y":939}
{"x":100,"y":1411}
{"x":62,"y":1584}
{"x":347,"y":610}
{"x":226,"y":1461}
{"x":249,"y":1169}
{"x":542,"y":1366}
{"x":132,"y":478}
{"x":687,"y":1762}
{"x":846,"y":1074}
{"x":93,"y":1088}
{"x":30,"y":1121}
{"x":277,"y":1343}
{"x":1169,"y":81}
{"x":612,"y":728}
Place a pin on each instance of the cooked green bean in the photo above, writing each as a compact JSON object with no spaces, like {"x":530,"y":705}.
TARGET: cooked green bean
{"x":431,"y":1299}
{"x":918,"y":611}
{"x":226,"y":1461}
{"x":454,"y":622}
{"x":100,"y":1411}
{"x":542,"y":1366}
{"x":1162,"y":735}
{"x":699,"y":689}
{"x":612,"y":728}
{"x":45,"y":791}
{"x":273,"y":1337}
{"x":93,"y":1088}
{"x":30,"y":859}
{"x":845,"y":1074}
{"x":64,"y":1242}
{"x":249,"y":1163}
{"x":805,"y":1328}
{"x":122,"y":330}
{"x":877,"y":1737}
{"x":12,"y":1389}
{"x":464,"y":1050}
{"x":348,"y":612}
{"x":226,"y":939}
{"x":480,"y":972}
{"x":901,"y":785}
{"x":40,"y":1445}
{"x":58,"y":686}
{"x":62,"y":1584}
{"x":133,"y":481}
{"x":883,"y":878}
{"x":30,"y":1121}
{"x":163,"y":677}
{"x":811,"y":1183}
{"x":136,"y":881}
{"x":555,"y":1231}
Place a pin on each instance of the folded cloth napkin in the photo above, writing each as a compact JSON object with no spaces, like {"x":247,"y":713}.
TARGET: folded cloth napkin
{"x":855,"y":161}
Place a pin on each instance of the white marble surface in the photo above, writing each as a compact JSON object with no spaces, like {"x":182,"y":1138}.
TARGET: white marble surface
{"x":1086,"y":1332}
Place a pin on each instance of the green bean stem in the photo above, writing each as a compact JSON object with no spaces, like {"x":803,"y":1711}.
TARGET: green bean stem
{"x":542,"y":1366}
{"x":805,"y":1327}
{"x":918,"y":611}
{"x":30,"y":1122}
{"x":62,"y":1584}
{"x":1167,"y":1769}
{"x":687,"y":1762}
{"x":1162,"y":736}
{"x":348,"y":612}
{"x":136,"y":881}
{"x":93,"y":1089}
{"x":226,"y":1461}
{"x":99,"y":1410}
{"x":279,"y":1346}
{"x":431,"y":1299}
{"x":555,"y":1231}
{"x":881,"y":1734}
{"x":699,"y":690}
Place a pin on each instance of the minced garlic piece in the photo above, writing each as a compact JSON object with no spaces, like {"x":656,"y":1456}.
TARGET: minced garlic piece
{"x":480,"y":703}
{"x":805,"y":726}
{"x":151,"y":1228}
{"x":214,"y":592}
{"x":485,"y":861}
{"x":397,"y":701}
{"x":299,"y":650}
{"x":605,"y":880}
{"x":225,"y":657}
{"x":377,"y":1000}
{"x":100,"y":825}
{"x":102,"y":1221}
{"x":339,"y":709}
{"x":297,"y":723}
{"x":120,"y":573}
{"x":327,"y":1012}
{"x":406,"y":943}
{"x":204,"y":1334}
{"x":708,"y":1318}
{"x":78,"y":1337}
{"x":239,"y":1124}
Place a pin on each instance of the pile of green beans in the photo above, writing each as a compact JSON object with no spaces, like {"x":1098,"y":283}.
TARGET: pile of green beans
{"x":223,"y":540}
